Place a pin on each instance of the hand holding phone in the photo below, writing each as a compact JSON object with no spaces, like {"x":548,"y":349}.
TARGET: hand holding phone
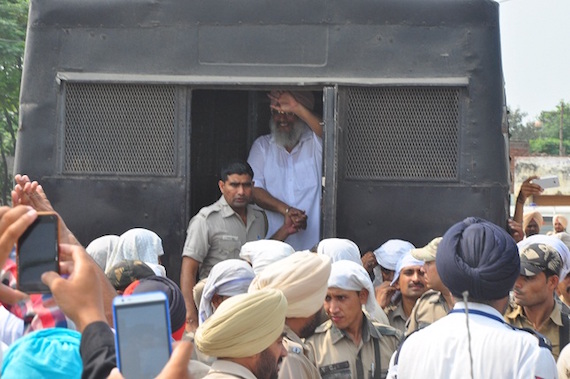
{"x":142,"y":334}
{"x":547,"y":182}
{"x":38,"y":252}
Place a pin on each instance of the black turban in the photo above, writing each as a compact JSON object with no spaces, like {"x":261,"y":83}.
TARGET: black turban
{"x":480,"y":257}
{"x":172,"y":291}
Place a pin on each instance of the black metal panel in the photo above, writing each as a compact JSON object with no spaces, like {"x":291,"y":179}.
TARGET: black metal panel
{"x":404,"y":133}
{"x":120,"y":129}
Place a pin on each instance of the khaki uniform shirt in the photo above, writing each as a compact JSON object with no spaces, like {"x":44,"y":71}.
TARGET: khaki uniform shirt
{"x":222,"y":369}
{"x":217,"y":233}
{"x":336,"y":355}
{"x":397,"y":316}
{"x":298,"y":364}
{"x":430,"y":307}
{"x":516,"y":317}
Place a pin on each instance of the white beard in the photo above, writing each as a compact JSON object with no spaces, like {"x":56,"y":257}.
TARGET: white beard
{"x":287,"y":139}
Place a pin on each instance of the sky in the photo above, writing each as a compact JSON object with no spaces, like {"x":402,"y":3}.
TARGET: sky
{"x":535,"y":36}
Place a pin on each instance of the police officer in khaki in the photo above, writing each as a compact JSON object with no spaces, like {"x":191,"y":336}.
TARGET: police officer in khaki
{"x":437,"y":301}
{"x":534,"y":304}
{"x":351,"y":344}
{"x":303,"y":278}
{"x":218,"y":231}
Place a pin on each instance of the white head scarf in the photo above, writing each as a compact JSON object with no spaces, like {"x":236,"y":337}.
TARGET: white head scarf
{"x":339,"y":249}
{"x":262,"y":253}
{"x":407,"y":260}
{"x":351,"y":276}
{"x":136,"y":244}
{"x":391,"y":251}
{"x":227,"y":278}
{"x":555,"y":241}
{"x":100,"y":248}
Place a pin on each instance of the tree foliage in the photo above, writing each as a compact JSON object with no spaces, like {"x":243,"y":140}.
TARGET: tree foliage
{"x":13,"y":20}
{"x":518,"y":130}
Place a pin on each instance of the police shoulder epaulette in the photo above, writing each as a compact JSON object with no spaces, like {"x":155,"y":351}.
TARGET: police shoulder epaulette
{"x":542,"y":340}
{"x":387,"y":330}
{"x":324,"y":327}
{"x":206,"y":211}
{"x":293,"y":347}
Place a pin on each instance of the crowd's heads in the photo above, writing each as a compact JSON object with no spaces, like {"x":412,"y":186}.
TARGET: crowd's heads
{"x":125,"y":272}
{"x":559,"y":223}
{"x":243,"y":325}
{"x":537,"y":258}
{"x":388,"y":255}
{"x":351,"y":276}
{"x":339,"y":249}
{"x":532,"y":223}
{"x":262,"y":253}
{"x":47,"y":353}
{"x":136,"y":244}
{"x":226,"y":279}
{"x":100,"y":248}
{"x":302,"y":277}
{"x":176,"y":303}
{"x":477,"y":256}
{"x":237,"y":167}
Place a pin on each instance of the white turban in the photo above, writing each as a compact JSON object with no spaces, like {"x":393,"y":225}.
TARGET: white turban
{"x":262,"y":253}
{"x":554,"y":241}
{"x":391,"y":251}
{"x":227,"y":278}
{"x":100,"y":248}
{"x":243,"y":325}
{"x":303,"y":279}
{"x":406,"y":261}
{"x":351,"y":276}
{"x":136,"y":244}
{"x":339,"y":249}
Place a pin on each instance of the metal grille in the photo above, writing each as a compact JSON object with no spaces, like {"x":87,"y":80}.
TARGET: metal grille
{"x":120,"y":128}
{"x":408,"y":133}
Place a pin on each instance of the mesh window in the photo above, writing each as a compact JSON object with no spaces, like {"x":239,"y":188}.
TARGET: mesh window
{"x":120,"y":128}
{"x":408,"y":133}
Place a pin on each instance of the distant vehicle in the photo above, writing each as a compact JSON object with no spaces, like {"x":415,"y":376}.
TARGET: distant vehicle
{"x":129,"y":107}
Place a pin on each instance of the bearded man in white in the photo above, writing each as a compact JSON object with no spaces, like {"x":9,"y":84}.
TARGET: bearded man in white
{"x":287,"y":166}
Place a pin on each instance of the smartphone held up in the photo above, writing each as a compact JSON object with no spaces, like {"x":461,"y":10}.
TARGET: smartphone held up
{"x":37,"y":252}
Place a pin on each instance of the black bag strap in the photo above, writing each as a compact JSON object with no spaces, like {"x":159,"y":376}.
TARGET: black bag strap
{"x":564,"y":331}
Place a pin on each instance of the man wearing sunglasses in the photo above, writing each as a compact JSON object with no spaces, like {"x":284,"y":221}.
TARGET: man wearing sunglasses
{"x":288,"y":167}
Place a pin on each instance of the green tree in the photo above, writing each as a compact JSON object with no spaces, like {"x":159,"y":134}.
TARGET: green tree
{"x":518,"y":130}
{"x":550,"y":122}
{"x":13,"y":21}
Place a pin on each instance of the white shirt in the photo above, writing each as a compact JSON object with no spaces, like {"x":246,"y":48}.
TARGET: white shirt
{"x":498,"y":351}
{"x":294,"y":178}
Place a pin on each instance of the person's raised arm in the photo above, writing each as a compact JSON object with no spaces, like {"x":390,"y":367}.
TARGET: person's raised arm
{"x":527,"y":189}
{"x":30,"y":193}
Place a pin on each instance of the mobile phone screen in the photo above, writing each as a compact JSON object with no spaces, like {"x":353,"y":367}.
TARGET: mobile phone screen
{"x":38,"y":253}
{"x":142,"y":327}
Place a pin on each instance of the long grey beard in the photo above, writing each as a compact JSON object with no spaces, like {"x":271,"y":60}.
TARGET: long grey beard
{"x":287,"y":139}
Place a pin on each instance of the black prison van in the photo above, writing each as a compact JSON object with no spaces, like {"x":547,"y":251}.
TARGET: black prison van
{"x":129,"y":107}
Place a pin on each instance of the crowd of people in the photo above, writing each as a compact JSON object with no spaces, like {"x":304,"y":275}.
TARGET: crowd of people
{"x":261,"y":297}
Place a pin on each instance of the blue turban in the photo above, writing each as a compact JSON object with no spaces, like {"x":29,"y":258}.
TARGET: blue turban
{"x":46,"y":353}
{"x":480,"y":257}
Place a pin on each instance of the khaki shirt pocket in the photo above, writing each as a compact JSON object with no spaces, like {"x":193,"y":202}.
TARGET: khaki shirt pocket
{"x":336,"y":371}
{"x":226,"y":246}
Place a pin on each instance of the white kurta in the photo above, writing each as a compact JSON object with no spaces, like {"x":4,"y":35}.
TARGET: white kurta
{"x":294,"y":178}
{"x":441,"y":350}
